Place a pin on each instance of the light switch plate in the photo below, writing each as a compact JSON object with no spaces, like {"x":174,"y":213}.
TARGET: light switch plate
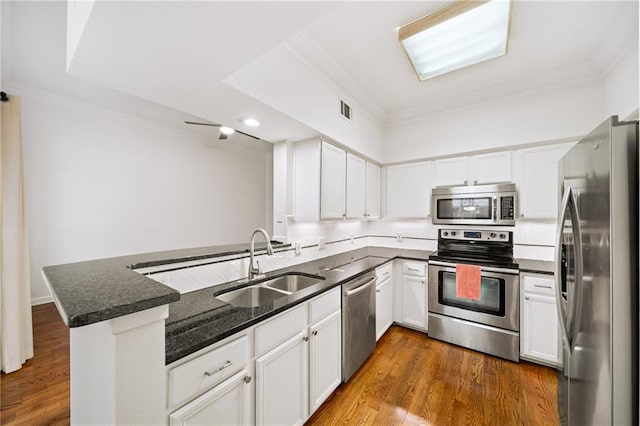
{"x":322,"y":242}
{"x":298,"y":247}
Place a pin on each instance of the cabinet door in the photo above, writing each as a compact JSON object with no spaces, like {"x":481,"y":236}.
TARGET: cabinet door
{"x":452,"y":171}
{"x":537,"y":180}
{"x":384,"y":307}
{"x":494,"y":167}
{"x":409,"y":190}
{"x":539,"y":328}
{"x":332,"y":182}
{"x":373,"y":191}
{"x":356,"y":187}
{"x":414,"y":301}
{"x":282,"y":385}
{"x":226,"y":404}
{"x":325,"y":359}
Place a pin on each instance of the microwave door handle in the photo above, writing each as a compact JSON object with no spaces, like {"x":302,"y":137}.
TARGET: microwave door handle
{"x":560,"y":303}
{"x":495,"y":209}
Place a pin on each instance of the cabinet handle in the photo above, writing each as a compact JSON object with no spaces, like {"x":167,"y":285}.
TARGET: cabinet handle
{"x":542,"y":286}
{"x":377,"y":291}
{"x":526,"y":298}
{"x":315,"y":333}
{"x":475,"y":182}
{"x":465,"y":182}
{"x":521,"y":214}
{"x":305,"y":338}
{"x":217,"y":370}
{"x":422,"y":282}
{"x":247,"y":379}
{"x":413,"y":269}
{"x":385,"y":274}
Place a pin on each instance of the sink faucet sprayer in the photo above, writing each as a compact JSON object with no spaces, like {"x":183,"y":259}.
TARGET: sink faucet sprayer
{"x":253,"y":271}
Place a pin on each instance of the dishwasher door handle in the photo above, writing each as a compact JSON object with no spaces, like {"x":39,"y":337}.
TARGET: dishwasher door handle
{"x":360,"y":288}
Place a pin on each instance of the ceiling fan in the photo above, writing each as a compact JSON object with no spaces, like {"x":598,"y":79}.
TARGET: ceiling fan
{"x":225,"y":131}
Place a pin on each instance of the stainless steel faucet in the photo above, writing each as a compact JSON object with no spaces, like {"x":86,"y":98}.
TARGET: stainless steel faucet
{"x":253,"y":271}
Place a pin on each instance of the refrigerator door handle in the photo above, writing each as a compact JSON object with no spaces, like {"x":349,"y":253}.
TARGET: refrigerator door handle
{"x":569,"y":312}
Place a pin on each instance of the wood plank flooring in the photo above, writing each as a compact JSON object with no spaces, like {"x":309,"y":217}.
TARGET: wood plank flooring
{"x":409,"y":379}
{"x":412,"y":379}
{"x":38,"y":393}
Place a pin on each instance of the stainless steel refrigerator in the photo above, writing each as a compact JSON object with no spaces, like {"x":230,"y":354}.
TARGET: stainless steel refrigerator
{"x":597,"y":277}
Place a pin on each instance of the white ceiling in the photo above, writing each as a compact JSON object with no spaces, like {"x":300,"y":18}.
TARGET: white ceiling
{"x":178,"y":54}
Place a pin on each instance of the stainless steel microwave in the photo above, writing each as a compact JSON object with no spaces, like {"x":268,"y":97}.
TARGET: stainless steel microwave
{"x":474,"y":205}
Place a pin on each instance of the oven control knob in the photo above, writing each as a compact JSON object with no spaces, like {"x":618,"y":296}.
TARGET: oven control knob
{"x":503,"y":236}
{"x":445,"y":233}
{"x":493,"y":235}
{"x":453,"y":233}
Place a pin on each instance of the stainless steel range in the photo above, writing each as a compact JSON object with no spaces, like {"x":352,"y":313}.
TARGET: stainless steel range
{"x":490,"y":323}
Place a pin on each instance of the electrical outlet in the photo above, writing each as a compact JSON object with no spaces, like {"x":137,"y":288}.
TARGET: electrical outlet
{"x":399,"y":237}
{"x":322,"y":242}
{"x":298,"y":247}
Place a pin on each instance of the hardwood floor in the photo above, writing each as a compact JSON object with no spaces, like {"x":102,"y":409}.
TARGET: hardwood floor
{"x":409,"y":379}
{"x":38,"y":393}
{"x":412,"y":379}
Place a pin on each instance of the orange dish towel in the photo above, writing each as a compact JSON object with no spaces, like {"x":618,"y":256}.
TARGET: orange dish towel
{"x":468,"y":281}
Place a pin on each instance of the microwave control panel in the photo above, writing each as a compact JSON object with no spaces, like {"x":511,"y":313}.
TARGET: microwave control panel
{"x":507,"y":207}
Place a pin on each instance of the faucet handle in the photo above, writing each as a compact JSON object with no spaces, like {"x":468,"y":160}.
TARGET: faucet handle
{"x":259,"y":269}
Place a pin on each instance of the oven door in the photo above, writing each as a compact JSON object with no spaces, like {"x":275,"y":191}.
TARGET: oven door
{"x":499,"y":297}
{"x":465,"y":209}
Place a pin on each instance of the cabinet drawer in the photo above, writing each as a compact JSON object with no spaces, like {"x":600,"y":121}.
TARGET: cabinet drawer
{"x":414,"y":268}
{"x":324,"y":305}
{"x":207,"y":370}
{"x":383,"y":272}
{"x":539,"y":285}
{"x":280,"y":329}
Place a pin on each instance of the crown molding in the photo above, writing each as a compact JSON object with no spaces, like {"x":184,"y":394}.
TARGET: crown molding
{"x":565,"y":76}
{"x":316,"y":58}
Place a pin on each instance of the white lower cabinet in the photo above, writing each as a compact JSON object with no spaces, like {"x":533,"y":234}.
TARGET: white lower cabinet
{"x":226,"y":404}
{"x":413,"y":294}
{"x":325,"y":359}
{"x":296,"y":364}
{"x":384,"y":307}
{"x":539,"y":337}
{"x":281,"y":383}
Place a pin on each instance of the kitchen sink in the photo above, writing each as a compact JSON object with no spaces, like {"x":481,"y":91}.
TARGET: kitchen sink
{"x":267,"y":291}
{"x":292,"y":283}
{"x":251,"y":297}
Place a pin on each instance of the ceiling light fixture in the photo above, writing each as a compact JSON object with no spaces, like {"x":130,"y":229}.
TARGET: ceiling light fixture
{"x":251,"y":122}
{"x":458,"y":35}
{"x":227,"y":130}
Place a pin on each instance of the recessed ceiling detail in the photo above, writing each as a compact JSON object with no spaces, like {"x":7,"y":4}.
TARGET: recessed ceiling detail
{"x":456,"y":36}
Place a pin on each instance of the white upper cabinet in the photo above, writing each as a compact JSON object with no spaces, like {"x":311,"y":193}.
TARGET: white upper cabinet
{"x":409,"y":190}
{"x":372,"y":205}
{"x":481,"y":169}
{"x":452,"y":171}
{"x":356,"y":187}
{"x":536,"y":176}
{"x":329,"y":183}
{"x":490,"y":168}
{"x":332,"y":182}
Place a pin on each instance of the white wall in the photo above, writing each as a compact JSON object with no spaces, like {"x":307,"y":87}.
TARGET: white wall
{"x":621,"y":83}
{"x":555,"y":113}
{"x":309,"y":97}
{"x":100,"y":183}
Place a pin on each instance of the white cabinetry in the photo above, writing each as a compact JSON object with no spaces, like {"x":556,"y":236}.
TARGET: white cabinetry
{"x":409,"y":190}
{"x":225,"y":404}
{"x":539,"y":338}
{"x":332,"y":183}
{"x":494,"y":167}
{"x":413,"y":294}
{"x":536,"y":176}
{"x":356,"y":187}
{"x":281,"y":383}
{"x":384,"y":299}
{"x":329,"y":183}
{"x":325,"y":359}
{"x":373,"y":191}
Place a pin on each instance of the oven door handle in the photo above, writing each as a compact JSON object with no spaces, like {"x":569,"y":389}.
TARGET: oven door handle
{"x":483,"y":268}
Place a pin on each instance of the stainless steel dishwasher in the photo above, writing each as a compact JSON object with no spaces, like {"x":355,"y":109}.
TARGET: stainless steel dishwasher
{"x":358,"y":322}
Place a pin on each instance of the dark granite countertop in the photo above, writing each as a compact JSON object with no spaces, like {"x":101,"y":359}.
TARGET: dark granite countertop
{"x":97,"y":290}
{"x":536,"y":266}
{"x":198,"y":319}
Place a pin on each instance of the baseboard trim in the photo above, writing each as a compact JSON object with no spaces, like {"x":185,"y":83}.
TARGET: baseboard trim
{"x":41,"y":300}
